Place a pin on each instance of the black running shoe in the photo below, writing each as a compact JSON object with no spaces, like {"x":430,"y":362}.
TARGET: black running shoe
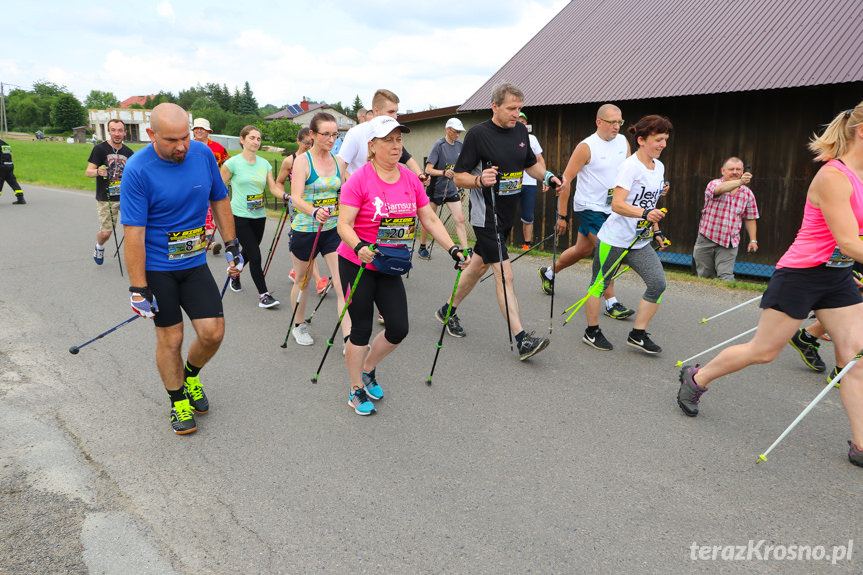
{"x":453,"y":325}
{"x":808,"y":351}
{"x":833,"y":375}
{"x":855,"y":456}
{"x":183,"y":418}
{"x":597,"y":341}
{"x":531,"y":345}
{"x":195,"y":393}
{"x":235,"y":284}
{"x":644,"y":343}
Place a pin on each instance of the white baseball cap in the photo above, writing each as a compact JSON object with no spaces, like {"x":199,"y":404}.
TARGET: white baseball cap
{"x":455,"y":124}
{"x":383,"y":125}
{"x":202,"y":123}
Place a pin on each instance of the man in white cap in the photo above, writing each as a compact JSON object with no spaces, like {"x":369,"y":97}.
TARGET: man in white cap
{"x":440,"y":164}
{"x":201,"y":130}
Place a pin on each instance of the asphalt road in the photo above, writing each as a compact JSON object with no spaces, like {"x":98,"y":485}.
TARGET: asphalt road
{"x":577,"y":461}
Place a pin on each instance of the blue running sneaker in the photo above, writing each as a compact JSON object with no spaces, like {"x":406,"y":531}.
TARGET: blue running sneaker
{"x":98,"y":255}
{"x":373,"y":390}
{"x":358,"y":400}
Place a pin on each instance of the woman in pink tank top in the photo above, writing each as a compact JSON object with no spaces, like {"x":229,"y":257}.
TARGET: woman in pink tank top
{"x":814,"y":274}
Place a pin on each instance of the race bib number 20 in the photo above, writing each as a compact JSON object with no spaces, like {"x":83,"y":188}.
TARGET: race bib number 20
{"x":396,"y":231}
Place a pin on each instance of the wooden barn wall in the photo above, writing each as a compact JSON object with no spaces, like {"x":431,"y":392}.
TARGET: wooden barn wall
{"x":769,"y":130}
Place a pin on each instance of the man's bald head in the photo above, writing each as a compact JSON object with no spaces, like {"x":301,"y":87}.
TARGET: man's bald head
{"x":169,"y":132}
{"x":607,"y":109}
{"x":167,"y":114}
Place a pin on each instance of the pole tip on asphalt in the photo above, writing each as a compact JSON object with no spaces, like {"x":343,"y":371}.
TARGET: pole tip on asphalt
{"x":678,"y":364}
{"x":314,"y":379}
{"x":760,"y":459}
{"x":428,"y":381}
{"x":703,"y":320}
{"x":284,"y":346}
{"x":74,"y":350}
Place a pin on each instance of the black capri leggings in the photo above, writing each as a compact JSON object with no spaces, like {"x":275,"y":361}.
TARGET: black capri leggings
{"x":374,"y":288}
{"x":250,"y":232}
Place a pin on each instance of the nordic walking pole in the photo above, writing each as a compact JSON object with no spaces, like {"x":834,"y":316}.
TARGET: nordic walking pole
{"x":76,"y":348}
{"x":303,"y":286}
{"x":717,"y":346}
{"x":114,"y":229}
{"x":350,"y":297}
{"x":598,"y":286}
{"x":553,"y":186}
{"x":494,"y":191}
{"x":321,"y":300}
{"x":440,"y":211}
{"x":831,"y":383}
{"x":276,"y":237}
{"x":439,"y":344}
{"x":732,"y":309}
{"x":225,"y":287}
{"x":524,"y":253}
{"x":123,"y":239}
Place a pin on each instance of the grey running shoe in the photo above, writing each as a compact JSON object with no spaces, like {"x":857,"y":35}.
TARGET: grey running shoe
{"x":618,"y":311}
{"x":808,"y":351}
{"x":423,"y":254}
{"x":301,"y":334}
{"x":546,"y":285}
{"x":531,"y":345}
{"x":855,"y":456}
{"x":183,"y":418}
{"x":690,"y":392}
{"x":453,"y":325}
{"x":597,"y":341}
{"x":644,"y":343}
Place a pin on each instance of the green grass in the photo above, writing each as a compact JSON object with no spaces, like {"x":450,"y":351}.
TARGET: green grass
{"x":54,"y":164}
{"x":62,"y":165}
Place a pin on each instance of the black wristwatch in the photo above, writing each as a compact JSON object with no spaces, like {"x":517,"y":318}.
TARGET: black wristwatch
{"x":563,"y":217}
{"x":645,"y":213}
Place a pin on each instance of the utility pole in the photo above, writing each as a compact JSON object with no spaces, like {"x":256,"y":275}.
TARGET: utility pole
{"x":4,"y":127}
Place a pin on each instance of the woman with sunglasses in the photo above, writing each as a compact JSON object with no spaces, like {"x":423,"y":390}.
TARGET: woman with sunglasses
{"x":316,"y":180}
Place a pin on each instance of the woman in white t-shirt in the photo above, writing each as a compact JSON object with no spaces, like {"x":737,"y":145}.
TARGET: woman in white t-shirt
{"x":634,"y":221}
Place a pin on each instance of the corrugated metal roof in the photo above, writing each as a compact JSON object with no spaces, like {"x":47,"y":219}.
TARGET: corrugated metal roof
{"x":613,"y":50}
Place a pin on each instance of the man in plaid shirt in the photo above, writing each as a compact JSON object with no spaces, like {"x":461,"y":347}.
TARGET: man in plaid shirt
{"x":727,"y":202}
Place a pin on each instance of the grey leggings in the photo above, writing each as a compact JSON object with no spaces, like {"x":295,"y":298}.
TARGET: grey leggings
{"x":643,"y":261}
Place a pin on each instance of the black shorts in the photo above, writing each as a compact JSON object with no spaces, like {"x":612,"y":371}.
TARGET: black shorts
{"x":486,"y":244}
{"x":796,"y":291}
{"x":439,"y":199}
{"x":193,"y":289}
{"x":302,"y":242}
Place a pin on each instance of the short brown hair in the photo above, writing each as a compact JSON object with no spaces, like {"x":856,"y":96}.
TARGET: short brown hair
{"x":499,"y":92}
{"x":382,"y":96}
{"x":649,"y":125}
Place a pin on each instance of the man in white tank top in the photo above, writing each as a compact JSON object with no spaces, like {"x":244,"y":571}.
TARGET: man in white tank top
{"x":595,"y":161}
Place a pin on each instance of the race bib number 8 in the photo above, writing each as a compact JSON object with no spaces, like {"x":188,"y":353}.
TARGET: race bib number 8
{"x":510,"y":183}
{"x":185,"y":244}
{"x":396,"y":231}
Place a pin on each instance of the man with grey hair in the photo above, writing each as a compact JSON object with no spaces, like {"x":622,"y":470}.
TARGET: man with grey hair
{"x":728,"y":201}
{"x":493,"y":160}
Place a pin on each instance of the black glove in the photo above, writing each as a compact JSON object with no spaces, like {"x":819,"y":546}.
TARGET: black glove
{"x":459,"y":255}
{"x":232,"y":253}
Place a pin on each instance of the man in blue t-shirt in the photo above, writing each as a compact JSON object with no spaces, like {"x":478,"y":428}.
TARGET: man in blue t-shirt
{"x":165,"y":191}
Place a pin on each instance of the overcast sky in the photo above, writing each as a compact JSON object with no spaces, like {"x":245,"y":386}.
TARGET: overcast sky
{"x":438,"y":53}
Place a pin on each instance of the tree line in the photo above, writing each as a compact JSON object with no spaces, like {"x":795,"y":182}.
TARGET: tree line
{"x":54,"y":109}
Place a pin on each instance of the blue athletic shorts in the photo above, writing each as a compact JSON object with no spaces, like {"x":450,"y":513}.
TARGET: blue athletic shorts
{"x":590,"y":221}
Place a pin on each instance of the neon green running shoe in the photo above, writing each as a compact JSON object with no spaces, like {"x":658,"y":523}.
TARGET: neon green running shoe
{"x":183,"y":418}
{"x":195,"y":393}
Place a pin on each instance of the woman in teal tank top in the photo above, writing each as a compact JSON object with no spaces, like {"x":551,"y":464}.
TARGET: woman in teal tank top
{"x":316,"y":179}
